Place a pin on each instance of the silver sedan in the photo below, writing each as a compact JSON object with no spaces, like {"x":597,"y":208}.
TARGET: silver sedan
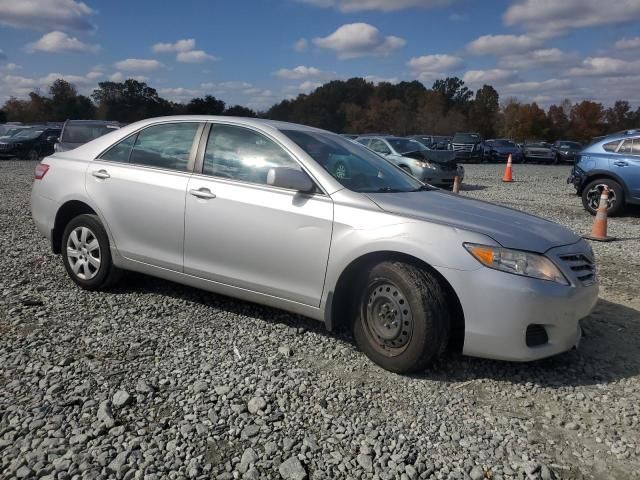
{"x":253,"y":209}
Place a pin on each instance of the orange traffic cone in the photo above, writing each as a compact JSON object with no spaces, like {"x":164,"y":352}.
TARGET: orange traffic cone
{"x":508,"y":171}
{"x":456,"y":184}
{"x":599,"y":230}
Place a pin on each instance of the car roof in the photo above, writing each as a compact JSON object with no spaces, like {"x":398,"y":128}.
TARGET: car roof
{"x":93,"y":122}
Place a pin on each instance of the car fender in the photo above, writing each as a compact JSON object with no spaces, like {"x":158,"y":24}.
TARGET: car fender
{"x":600,"y":173}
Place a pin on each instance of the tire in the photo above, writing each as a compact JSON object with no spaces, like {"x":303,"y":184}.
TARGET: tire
{"x":591,"y":196}
{"x":33,"y":155}
{"x":90,"y":274}
{"x":401,"y":320}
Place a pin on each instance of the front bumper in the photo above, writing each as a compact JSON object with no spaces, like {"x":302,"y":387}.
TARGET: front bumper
{"x":441,"y":177}
{"x":499,"y":307}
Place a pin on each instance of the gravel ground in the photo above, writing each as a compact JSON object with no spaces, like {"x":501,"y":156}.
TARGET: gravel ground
{"x":155,"y":380}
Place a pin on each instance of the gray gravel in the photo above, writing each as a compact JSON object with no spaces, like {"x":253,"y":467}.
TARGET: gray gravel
{"x":154,"y":380}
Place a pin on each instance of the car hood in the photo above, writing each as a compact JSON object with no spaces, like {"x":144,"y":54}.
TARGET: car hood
{"x":510,"y":228}
{"x":507,"y":149}
{"x":436,"y":156}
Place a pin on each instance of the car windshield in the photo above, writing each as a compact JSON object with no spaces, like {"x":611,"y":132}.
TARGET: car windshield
{"x":503,"y":143}
{"x":78,"y":133}
{"x":28,"y":134}
{"x":466,"y":138}
{"x":354,"y":166}
{"x":405,"y":145}
{"x":569,"y":145}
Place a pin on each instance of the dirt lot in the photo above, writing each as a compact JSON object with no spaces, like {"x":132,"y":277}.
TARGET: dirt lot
{"x":155,"y":380}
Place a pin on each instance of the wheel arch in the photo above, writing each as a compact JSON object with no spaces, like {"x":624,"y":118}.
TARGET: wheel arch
{"x":597,"y":174}
{"x":64,"y":215}
{"x":340,"y":305}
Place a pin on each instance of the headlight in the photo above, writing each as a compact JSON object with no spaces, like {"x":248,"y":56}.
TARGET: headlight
{"x":526,"y":264}
{"x":428,"y":165}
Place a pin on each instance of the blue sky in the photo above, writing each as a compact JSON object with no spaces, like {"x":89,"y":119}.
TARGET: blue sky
{"x":258,"y":52}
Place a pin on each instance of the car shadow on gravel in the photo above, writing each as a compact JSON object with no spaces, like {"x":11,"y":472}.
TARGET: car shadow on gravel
{"x":469,"y":187}
{"x":609,"y":352}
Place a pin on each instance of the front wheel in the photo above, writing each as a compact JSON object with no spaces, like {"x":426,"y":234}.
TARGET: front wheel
{"x":86,"y":254}
{"x":402,"y":320}
{"x":593,"y":190}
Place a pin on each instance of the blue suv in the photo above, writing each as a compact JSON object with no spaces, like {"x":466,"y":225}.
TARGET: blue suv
{"x":613,"y":161}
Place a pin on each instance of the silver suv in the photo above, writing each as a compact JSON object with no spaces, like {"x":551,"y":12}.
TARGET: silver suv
{"x":253,"y":209}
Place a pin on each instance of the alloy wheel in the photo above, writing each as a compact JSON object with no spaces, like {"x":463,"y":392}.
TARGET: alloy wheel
{"x":594,"y":193}
{"x":83,"y":253}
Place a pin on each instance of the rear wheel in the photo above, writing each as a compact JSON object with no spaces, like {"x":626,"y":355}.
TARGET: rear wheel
{"x":33,"y":155}
{"x":402,"y":321}
{"x":86,"y":254}
{"x":593,"y":190}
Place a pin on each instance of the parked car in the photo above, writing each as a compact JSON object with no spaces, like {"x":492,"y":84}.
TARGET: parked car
{"x":566,"y":150}
{"x":498,"y":150}
{"x":78,"y":132}
{"x":433,"y":142}
{"x":248,"y":209}
{"x":537,"y":151}
{"x":435,"y":167}
{"x":10,"y":130}
{"x":613,"y":161}
{"x":29,"y":143}
{"x":468,"y":146}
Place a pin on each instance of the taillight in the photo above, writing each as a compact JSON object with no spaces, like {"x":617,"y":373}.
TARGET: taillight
{"x":41,"y":170}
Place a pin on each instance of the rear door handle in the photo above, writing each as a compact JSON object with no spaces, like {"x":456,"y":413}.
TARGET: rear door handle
{"x":101,"y":174}
{"x":204,"y":193}
{"x":621,"y":163}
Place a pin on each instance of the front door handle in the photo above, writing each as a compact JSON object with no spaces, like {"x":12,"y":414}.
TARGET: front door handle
{"x":101,"y":174}
{"x":621,"y":163}
{"x":204,"y":193}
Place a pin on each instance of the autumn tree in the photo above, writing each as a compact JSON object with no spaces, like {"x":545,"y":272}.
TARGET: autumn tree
{"x":484,"y":111}
{"x":586,"y":120}
{"x":558,"y":121}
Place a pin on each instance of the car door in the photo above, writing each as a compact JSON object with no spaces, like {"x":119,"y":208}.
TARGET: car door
{"x":139,"y":186}
{"x":626,"y":164}
{"x":242,"y":232}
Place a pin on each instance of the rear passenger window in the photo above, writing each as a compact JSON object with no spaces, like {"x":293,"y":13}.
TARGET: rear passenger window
{"x":164,"y":146}
{"x":242,"y":154}
{"x":636,"y":146}
{"x":626,"y":146}
{"x":120,"y":151}
{"x":611,"y":146}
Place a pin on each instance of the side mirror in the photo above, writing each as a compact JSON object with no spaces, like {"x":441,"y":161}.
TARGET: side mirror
{"x":52,"y":139}
{"x":291,"y":178}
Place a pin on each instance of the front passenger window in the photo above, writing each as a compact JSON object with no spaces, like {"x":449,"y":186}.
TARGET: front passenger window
{"x":165,"y":146}
{"x":242,"y":154}
{"x":626,"y":146}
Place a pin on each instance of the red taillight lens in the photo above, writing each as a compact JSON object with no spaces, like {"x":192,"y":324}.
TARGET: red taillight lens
{"x":41,"y":170}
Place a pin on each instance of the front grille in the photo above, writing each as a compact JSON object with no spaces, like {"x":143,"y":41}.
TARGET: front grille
{"x":5,"y":146}
{"x":582,"y":267}
{"x":536,"y":335}
{"x":462,"y":147}
{"x":540,"y":154}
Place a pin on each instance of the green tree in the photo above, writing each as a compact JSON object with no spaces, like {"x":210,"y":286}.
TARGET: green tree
{"x":558,"y":122}
{"x":484,"y":112}
{"x":209,"y":105}
{"x":456,"y":93}
{"x":240,"y":111}
{"x":129,"y":101}
{"x":586,"y":120}
{"x":620,"y":116}
{"x":66,"y":103}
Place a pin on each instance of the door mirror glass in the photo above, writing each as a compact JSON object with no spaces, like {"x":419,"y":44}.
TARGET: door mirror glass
{"x":290,"y":178}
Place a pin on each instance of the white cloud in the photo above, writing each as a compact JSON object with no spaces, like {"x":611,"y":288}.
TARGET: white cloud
{"x":10,"y":67}
{"x":552,"y":84}
{"x":94,"y":74}
{"x":606,"y":67}
{"x":45,"y":15}
{"x":628,"y":43}
{"x":377,"y":79}
{"x":546,"y":57}
{"x":430,"y":67}
{"x":195,"y":56}
{"x":59,"y":42}
{"x":359,"y":40}
{"x":492,"y":77}
{"x":179,"y":94}
{"x":383,"y":5}
{"x":502,"y":44}
{"x":138,"y":64}
{"x":554,"y":17}
{"x":121,"y":77}
{"x":301,"y":45}
{"x":184,"y":45}
{"x":300,"y":72}
{"x":304,"y":87}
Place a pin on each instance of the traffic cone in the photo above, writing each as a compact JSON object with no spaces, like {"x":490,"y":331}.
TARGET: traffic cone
{"x":599,"y":229}
{"x":456,"y":184}
{"x":508,"y":171}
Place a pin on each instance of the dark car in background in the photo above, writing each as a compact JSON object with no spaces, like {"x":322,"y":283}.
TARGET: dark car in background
{"x":78,"y":132}
{"x":467,"y":146}
{"x":566,"y":150}
{"x":499,"y":149}
{"x":538,"y":151}
{"x":30,"y":143}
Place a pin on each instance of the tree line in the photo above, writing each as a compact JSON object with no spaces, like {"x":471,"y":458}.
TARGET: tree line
{"x":347,"y":106}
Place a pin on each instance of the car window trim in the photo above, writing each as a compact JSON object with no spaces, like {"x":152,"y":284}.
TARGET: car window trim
{"x":202,"y":147}
{"x":192,"y":153}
